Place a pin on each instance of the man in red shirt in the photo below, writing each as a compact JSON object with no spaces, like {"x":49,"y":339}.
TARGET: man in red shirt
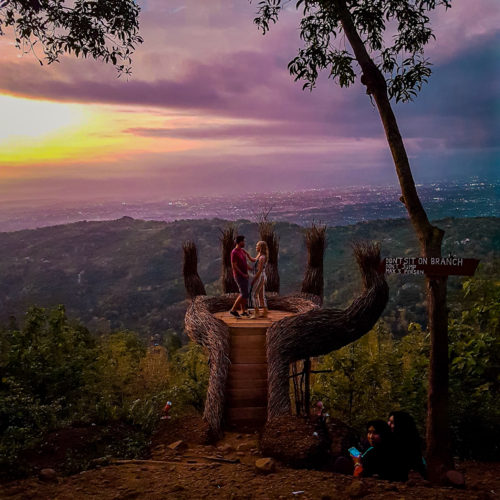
{"x":240,"y":274}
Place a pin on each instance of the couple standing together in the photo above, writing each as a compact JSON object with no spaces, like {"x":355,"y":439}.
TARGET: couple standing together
{"x":240,"y":267}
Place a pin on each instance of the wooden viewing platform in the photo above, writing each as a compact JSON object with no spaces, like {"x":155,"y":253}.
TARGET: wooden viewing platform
{"x":246,"y":390}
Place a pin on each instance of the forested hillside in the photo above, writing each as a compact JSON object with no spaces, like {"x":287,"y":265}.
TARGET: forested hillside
{"x":99,"y":391}
{"x":127,"y":273}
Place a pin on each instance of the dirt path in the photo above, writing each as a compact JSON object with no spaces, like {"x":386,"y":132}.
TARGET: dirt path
{"x":201,"y":471}
{"x":192,"y":469}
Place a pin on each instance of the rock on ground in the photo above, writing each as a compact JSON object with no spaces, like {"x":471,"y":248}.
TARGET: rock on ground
{"x":265,"y":465}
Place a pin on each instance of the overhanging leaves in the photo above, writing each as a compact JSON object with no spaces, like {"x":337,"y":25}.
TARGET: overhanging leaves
{"x":104,"y":30}
{"x":399,"y":57}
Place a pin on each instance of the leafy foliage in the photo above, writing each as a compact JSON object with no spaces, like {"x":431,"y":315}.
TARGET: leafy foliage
{"x":399,"y":57}
{"x":42,"y":370}
{"x":475,"y":369}
{"x":54,"y":374}
{"x":380,"y":373}
{"x":104,"y":30}
{"x":375,"y":375}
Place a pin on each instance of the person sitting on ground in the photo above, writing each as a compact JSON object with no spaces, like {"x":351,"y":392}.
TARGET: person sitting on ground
{"x":239,"y":266}
{"x":379,"y":459}
{"x":407,"y":442}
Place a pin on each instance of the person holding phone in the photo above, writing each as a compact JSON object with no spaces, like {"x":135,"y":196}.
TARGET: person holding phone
{"x":380,"y":458}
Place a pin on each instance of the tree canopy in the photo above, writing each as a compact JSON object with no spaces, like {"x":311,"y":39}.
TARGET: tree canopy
{"x":104,"y":30}
{"x":395,"y":33}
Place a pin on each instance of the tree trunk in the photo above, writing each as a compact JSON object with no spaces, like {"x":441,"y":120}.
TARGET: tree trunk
{"x":430,"y":238}
{"x":296,"y":388}
{"x":437,"y":432}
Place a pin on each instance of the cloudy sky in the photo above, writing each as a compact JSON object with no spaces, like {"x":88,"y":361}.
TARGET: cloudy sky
{"x":211,"y":109}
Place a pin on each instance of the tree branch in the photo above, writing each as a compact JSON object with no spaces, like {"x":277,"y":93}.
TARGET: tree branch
{"x":430,"y":237}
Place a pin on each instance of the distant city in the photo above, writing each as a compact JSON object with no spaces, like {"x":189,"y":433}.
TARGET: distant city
{"x":334,"y":207}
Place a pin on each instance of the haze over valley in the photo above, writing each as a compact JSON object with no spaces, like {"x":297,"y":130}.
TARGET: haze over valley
{"x":475,"y":198}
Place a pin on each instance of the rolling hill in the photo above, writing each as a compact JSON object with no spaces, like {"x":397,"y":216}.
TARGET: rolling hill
{"x":127,"y":273}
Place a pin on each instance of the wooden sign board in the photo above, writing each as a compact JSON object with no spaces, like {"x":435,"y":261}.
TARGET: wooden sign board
{"x":430,"y":266}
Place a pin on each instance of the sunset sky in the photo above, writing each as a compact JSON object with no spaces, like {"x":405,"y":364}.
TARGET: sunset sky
{"x":211,"y":109}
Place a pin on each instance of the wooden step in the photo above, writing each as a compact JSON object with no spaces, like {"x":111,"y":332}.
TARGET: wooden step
{"x":246,"y":413}
{"x":259,"y":401}
{"x":243,"y":398}
{"x":244,"y":383}
{"x":248,"y":371}
{"x":249,"y":341}
{"x":246,"y":425}
{"x":248,"y":356}
{"x":246,"y":392}
{"x":247,"y":331}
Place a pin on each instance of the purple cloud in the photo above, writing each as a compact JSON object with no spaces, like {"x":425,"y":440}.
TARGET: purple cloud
{"x":208,"y":62}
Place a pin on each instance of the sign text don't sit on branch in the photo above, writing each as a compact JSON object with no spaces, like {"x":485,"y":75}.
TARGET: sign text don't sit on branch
{"x":430,"y":266}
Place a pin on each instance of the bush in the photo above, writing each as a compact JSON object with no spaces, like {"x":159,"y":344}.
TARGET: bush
{"x":474,"y":370}
{"x":379,"y":373}
{"x":54,"y":373}
{"x":373,"y":376}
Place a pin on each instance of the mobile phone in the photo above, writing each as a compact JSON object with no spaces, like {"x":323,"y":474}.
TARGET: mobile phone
{"x":354,"y":452}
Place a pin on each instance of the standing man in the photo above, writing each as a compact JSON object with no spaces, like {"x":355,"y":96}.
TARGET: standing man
{"x":240,"y":274}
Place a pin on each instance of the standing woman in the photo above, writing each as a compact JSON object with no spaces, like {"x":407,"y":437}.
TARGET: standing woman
{"x":257,"y":290}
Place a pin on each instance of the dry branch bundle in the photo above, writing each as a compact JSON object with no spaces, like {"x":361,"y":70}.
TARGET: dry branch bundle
{"x":205,"y":329}
{"x":192,"y":281}
{"x":315,"y":237}
{"x":227,"y":241}
{"x":320,"y":331}
{"x":268,"y":234}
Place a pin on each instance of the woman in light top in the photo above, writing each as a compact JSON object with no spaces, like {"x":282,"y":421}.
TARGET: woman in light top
{"x":257,"y":289}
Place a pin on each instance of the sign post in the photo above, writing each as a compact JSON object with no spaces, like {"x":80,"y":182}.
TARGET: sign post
{"x":430,"y":266}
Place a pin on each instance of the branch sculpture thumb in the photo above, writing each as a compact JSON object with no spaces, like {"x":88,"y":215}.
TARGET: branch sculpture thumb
{"x":192,"y":281}
{"x":320,"y":331}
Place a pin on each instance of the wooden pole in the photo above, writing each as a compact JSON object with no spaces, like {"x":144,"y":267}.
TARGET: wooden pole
{"x":307,"y":388}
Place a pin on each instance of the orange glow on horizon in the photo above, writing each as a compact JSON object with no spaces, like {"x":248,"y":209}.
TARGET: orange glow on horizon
{"x":35,"y":132}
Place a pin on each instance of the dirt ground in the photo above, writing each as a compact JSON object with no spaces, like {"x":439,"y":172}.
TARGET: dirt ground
{"x":227,"y":470}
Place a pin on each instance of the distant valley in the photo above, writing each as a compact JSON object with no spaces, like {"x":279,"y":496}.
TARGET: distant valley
{"x":334,"y":207}
{"x":127,"y":274}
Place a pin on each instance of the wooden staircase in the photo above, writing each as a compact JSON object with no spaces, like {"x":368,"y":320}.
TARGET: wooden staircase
{"x":246,"y":396}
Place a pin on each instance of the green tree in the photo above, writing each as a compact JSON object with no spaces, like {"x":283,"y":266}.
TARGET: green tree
{"x":190,"y":376}
{"x":117,"y":368}
{"x":49,"y":357}
{"x":104,"y":30}
{"x":474,"y":369}
{"x":380,"y":372}
{"x":374,"y":375}
{"x":44,"y":367}
{"x":389,"y":67}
